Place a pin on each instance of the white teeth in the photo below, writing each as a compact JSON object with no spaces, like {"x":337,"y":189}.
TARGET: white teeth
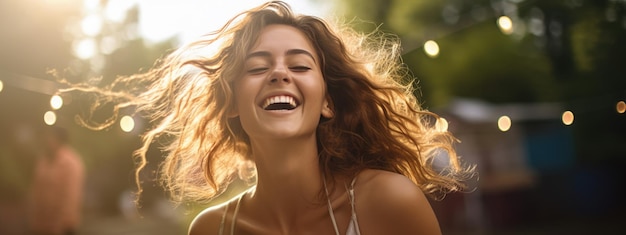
{"x":279,"y":99}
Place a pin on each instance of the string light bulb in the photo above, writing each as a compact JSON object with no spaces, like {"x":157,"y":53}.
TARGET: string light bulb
{"x":50,"y":118}
{"x":56,"y":102}
{"x":431,"y":48}
{"x":504,"y":123}
{"x":127,"y":123}
{"x":621,"y":106}
{"x":567,"y":118}
{"x":505,"y":24}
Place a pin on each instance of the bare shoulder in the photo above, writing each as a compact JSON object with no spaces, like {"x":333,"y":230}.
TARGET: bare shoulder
{"x":390,"y":203}
{"x":389,"y":187}
{"x":208,"y":221}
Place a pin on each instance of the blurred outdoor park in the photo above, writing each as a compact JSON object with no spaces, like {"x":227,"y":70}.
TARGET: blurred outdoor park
{"x":535,"y":90}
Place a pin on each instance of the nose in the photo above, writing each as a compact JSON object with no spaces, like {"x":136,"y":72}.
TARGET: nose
{"x":279,"y":75}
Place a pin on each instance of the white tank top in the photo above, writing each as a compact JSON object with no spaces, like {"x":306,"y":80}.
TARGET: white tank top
{"x":353,"y":226}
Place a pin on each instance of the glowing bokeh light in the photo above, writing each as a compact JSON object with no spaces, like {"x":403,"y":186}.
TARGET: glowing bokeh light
{"x":50,"y":118}
{"x":85,"y":49}
{"x":621,"y":106}
{"x":504,"y":123}
{"x":567,"y":118}
{"x":431,"y":48}
{"x":1,"y":85}
{"x":91,"y":5}
{"x":442,"y":124}
{"x":56,"y":102}
{"x":127,"y":123}
{"x":505,"y":24}
{"x":91,"y":25}
{"x":115,"y":10}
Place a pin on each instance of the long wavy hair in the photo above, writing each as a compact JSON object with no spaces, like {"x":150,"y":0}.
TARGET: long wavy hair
{"x":378,"y":122}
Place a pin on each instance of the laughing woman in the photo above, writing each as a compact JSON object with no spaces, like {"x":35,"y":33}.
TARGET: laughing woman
{"x":321,"y":117}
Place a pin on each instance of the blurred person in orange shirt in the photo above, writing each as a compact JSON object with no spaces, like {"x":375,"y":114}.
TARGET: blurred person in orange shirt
{"x":57,"y":189}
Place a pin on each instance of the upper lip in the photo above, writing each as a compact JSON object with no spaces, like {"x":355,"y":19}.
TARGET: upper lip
{"x":279,"y":93}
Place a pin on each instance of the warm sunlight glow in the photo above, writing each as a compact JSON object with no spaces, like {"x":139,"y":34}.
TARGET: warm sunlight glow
{"x":85,"y":49}
{"x":90,"y":5}
{"x":431,"y":48}
{"x":504,"y":123}
{"x":442,"y":124}
{"x":56,"y":102}
{"x":621,"y":105}
{"x":127,"y":123}
{"x":91,"y":25}
{"x":568,"y":118}
{"x":189,"y":19}
{"x":505,"y":24}
{"x":115,"y":10}
{"x":50,"y":118}
{"x":1,"y":85}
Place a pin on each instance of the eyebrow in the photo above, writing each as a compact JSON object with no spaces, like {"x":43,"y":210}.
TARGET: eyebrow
{"x":289,"y":52}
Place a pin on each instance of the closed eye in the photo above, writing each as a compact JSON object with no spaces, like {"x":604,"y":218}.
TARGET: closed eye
{"x":299,"y":68}
{"x":257,"y":70}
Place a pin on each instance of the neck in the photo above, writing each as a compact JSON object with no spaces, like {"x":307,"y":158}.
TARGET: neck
{"x":289,"y":179}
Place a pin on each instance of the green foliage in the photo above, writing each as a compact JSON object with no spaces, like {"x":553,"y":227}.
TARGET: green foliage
{"x":479,"y":61}
{"x":484,"y":64}
{"x":571,"y":52}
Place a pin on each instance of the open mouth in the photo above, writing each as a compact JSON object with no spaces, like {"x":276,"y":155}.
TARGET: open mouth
{"x":281,"y":102}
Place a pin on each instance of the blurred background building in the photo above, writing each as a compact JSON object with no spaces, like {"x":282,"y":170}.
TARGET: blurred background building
{"x":534,"y":90}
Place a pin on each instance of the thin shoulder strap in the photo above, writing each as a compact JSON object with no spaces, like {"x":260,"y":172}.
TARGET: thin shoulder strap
{"x":330,"y":208}
{"x":351,"y":192}
{"x":232,"y":223}
{"x":221,"y":231}
{"x":353,"y":218}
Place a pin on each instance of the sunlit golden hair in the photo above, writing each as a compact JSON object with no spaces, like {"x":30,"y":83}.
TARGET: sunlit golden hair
{"x":377,"y":123}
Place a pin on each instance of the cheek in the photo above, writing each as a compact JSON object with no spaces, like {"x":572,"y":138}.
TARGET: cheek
{"x":241,"y":106}
{"x":241,"y":110}
{"x":316,"y":88}
{"x":243,"y":102}
{"x":242,"y":93}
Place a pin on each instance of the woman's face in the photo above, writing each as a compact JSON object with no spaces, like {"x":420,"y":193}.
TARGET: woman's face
{"x":282,"y":92}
